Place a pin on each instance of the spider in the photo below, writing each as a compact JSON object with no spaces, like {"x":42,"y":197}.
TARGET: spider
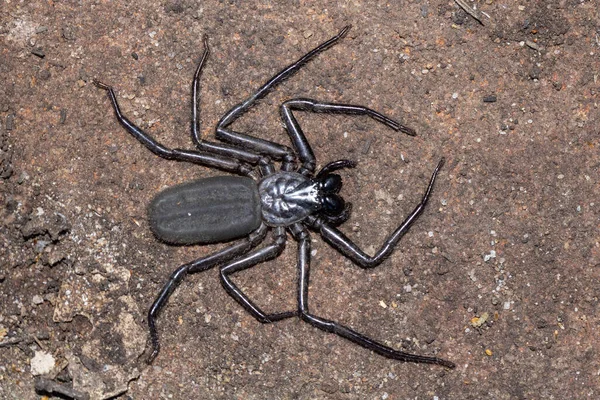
{"x":262,"y":200}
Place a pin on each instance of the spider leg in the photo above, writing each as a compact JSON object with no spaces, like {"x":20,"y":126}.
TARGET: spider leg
{"x":199,"y":265}
{"x":274,"y":150}
{"x":195,"y":100}
{"x":227,"y":163}
{"x":299,"y":141}
{"x":205,"y":145}
{"x":303,"y":238}
{"x":250,"y":260}
{"x":344,"y":245}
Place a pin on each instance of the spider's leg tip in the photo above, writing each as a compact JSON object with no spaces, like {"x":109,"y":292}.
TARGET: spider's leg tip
{"x":441,"y":163}
{"x":152,"y":357}
{"x":406,"y":130}
{"x":100,"y":85}
{"x":344,"y":30}
{"x":352,"y":163}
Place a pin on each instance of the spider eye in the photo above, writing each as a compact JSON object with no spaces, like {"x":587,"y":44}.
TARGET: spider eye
{"x":331,"y":183}
{"x":333,"y":204}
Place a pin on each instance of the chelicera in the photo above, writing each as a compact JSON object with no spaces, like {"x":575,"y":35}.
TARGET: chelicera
{"x":294,"y":199}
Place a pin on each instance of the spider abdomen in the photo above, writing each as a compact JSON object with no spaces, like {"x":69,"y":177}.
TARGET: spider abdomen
{"x":210,"y":210}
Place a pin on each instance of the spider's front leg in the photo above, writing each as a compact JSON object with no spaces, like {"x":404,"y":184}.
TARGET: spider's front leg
{"x":305,"y":153}
{"x":262,"y":146}
{"x":344,"y":245}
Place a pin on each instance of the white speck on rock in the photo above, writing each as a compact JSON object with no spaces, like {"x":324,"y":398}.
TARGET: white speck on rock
{"x":42,"y":363}
{"x":488,"y":257}
{"x":381,"y":194}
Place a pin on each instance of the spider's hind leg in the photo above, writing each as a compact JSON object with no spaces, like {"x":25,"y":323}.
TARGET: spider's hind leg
{"x":202,"y":264}
{"x":248,"y":261}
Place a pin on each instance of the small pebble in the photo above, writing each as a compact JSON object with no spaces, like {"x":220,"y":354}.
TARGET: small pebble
{"x":40,"y":245}
{"x":68,"y":33}
{"x":535,"y":72}
{"x":533,"y":45}
{"x":39,"y":52}
{"x":42,"y":363}
{"x":63,"y":116}
{"x":44,"y":75}
{"x":488,"y":257}
{"x":10,"y":122}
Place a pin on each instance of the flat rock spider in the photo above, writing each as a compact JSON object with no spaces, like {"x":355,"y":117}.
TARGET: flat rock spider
{"x":263,"y":200}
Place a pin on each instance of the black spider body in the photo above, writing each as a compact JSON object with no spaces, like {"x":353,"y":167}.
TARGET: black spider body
{"x":293,"y":200}
{"x":223,"y":208}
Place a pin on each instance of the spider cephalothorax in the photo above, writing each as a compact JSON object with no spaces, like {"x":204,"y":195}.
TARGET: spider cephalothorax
{"x":289,"y":197}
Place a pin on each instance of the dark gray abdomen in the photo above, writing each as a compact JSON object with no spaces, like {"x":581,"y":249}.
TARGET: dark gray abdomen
{"x":209,"y":210}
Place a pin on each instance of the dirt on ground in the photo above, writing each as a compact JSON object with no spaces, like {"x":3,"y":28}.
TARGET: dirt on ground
{"x":500,"y":274}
